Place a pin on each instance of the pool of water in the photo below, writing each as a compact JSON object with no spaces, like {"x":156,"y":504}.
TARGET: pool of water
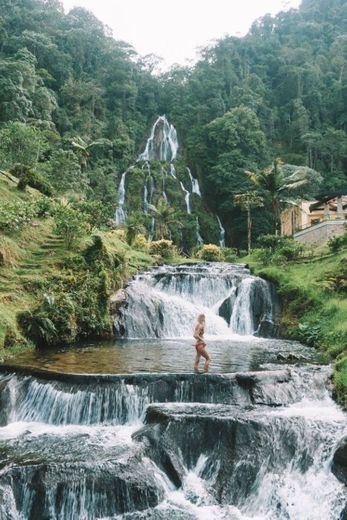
{"x":176,"y":355}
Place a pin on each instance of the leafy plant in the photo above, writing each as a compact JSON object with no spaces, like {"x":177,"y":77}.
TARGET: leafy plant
{"x":210,"y":253}
{"x":15,"y":215}
{"x":69,"y":224}
{"x":338,"y":242}
{"x":310,"y":334}
{"x":164,"y":248}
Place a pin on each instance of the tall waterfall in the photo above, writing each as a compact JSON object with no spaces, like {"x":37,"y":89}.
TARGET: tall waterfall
{"x":186,"y":197}
{"x":165,"y":302}
{"x":162,"y":144}
{"x":221,"y":233}
{"x":195,"y":183}
{"x":120,"y":216}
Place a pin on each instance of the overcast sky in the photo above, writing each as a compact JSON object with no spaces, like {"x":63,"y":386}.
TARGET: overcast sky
{"x":175,"y":29}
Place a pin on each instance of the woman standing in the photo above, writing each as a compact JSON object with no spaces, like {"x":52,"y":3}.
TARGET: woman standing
{"x":201,"y":345}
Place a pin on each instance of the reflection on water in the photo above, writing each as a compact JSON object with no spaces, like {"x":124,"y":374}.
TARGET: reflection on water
{"x":124,"y":357}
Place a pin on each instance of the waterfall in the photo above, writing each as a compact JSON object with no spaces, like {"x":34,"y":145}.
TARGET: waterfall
{"x":120,"y":216}
{"x":186,"y":197}
{"x":164,"y":302}
{"x":173,"y":171}
{"x":221,"y":233}
{"x":194,"y":182}
{"x":158,"y":441}
{"x":145,"y":446}
{"x":162,"y":144}
{"x":163,"y":176}
{"x":199,"y":239}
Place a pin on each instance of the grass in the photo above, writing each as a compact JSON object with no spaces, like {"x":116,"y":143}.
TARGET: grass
{"x":313,"y":310}
{"x":34,"y":254}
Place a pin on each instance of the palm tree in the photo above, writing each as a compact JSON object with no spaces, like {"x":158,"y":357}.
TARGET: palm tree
{"x":84,"y":149}
{"x":134,"y":226}
{"x":279,"y":181}
{"x":165,"y":215}
{"x":247,"y":201}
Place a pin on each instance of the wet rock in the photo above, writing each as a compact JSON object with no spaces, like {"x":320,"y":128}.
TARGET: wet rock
{"x":233,"y":440}
{"x":88,"y":491}
{"x":290,"y":358}
{"x":117,"y":300}
{"x":339,"y":464}
{"x":343,"y":515}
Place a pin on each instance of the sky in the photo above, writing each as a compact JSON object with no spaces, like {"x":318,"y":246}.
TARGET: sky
{"x":174,"y":30}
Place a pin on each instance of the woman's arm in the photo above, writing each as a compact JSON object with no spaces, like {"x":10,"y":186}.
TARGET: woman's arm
{"x":197,"y":333}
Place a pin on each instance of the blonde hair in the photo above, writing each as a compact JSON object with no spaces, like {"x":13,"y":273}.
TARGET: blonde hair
{"x":201,"y":317}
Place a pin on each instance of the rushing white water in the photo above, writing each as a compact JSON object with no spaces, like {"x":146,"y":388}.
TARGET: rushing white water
{"x":186,"y":198}
{"x":221,"y":233}
{"x":162,"y":144}
{"x":164,"y":302}
{"x":173,"y":171}
{"x":120,"y":216}
{"x":199,"y":239}
{"x":195,"y":183}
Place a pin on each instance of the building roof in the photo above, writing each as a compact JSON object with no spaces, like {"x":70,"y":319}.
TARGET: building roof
{"x":323,"y":198}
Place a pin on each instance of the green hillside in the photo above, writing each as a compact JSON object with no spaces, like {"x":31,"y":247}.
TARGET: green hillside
{"x":313,"y":295}
{"x":54,"y":284}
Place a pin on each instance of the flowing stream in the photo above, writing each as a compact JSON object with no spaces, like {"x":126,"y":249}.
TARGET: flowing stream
{"x":124,"y":430}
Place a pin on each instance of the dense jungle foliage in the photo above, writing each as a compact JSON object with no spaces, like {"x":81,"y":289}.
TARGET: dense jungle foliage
{"x":76,"y":104}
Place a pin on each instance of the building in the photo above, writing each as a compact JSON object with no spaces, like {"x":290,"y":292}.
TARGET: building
{"x":316,"y":221}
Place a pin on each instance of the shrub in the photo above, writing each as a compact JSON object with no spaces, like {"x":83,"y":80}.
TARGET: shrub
{"x":13,"y":339}
{"x":69,"y":224}
{"x":15,"y":215}
{"x":97,"y":253}
{"x":290,"y":249}
{"x":28,"y":177}
{"x":277,"y":249}
{"x":210,"y":253}
{"x":94,"y":212}
{"x":53,"y":322}
{"x":44,"y":207}
{"x":338,"y":242}
{"x":141,"y":243}
{"x":164,"y":248}
{"x":230,"y":254}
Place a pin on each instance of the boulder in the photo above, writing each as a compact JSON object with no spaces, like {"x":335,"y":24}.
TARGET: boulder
{"x":339,"y":464}
{"x":116,"y":300}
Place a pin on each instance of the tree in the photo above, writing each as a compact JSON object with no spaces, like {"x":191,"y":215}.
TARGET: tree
{"x":84,"y":149}
{"x":247,"y":201}
{"x":21,"y":143}
{"x":165,"y":215}
{"x":134,"y":226}
{"x":280,"y":181}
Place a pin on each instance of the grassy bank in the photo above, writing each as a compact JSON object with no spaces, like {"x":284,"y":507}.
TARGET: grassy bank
{"x":314,"y":306}
{"x":36,"y":264}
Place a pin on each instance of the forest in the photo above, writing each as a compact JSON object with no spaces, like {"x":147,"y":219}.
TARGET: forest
{"x":76,"y":106}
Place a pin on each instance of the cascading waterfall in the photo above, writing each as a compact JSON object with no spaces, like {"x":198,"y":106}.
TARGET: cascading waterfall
{"x":186,"y":198}
{"x":163,"y":176}
{"x":141,"y":445}
{"x":164,"y":302}
{"x":162,"y":144}
{"x":199,"y":239}
{"x":144,"y":446}
{"x":120,"y":216}
{"x":221,"y":233}
{"x":173,"y":171}
{"x":194,"y":183}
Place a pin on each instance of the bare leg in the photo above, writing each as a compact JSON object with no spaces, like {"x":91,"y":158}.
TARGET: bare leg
{"x":205,"y":354}
{"x":197,"y":361}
